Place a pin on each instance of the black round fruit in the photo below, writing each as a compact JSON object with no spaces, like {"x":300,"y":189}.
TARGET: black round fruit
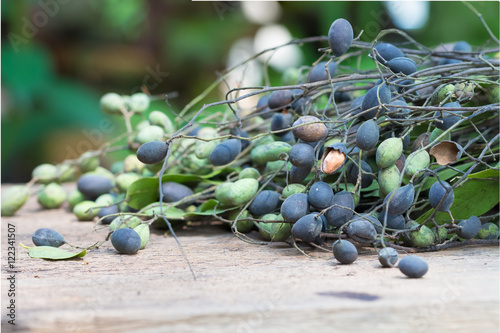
{"x":340,"y":37}
{"x":126,"y":240}
{"x":345,"y":252}
{"x":353,"y":171}
{"x":401,"y":200}
{"x":318,"y":72}
{"x":362,"y":231}
{"x":386,"y":52}
{"x":437,"y":192}
{"x":469,"y":228}
{"x":264,"y":110}
{"x":280,"y":122}
{"x":280,"y":99}
{"x":173,"y":192}
{"x":367,"y":135}
{"x":320,"y":195}
{"x":108,"y":211}
{"x":294,"y":207}
{"x":225,"y":152}
{"x":413,"y":266}
{"x":93,"y":186}
{"x":342,"y":210}
{"x":264,"y":203}
{"x":308,"y":227}
{"x":47,"y":237}
{"x":298,"y":174}
{"x":302,"y":155}
{"x":152,"y":152}
{"x":378,"y":93}
{"x":388,"y":257}
{"x":402,"y":65}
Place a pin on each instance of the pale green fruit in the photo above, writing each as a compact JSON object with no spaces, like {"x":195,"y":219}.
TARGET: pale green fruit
{"x":249,"y":173}
{"x":242,"y":191}
{"x":160,"y":119}
{"x":124,"y":180}
{"x":65,"y":173}
{"x":142,"y":124}
{"x":422,"y":238}
{"x":14,"y":198}
{"x":269,"y":152}
{"x":112,"y":103}
{"x":150,"y":133}
{"x":416,"y":162}
{"x":292,"y":189}
{"x":45,"y":173}
{"x":388,"y":152}
{"x":138,"y":102}
{"x":75,"y":197}
{"x":388,"y":180}
{"x":88,"y":162}
{"x":124,"y":221}
{"x":105,"y":199}
{"x":143,"y":231}
{"x":84,"y":212}
{"x":52,"y":196}
{"x":132,"y":164}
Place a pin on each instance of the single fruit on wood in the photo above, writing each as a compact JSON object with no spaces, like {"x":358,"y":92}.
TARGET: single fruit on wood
{"x":413,"y":266}
{"x":345,"y":252}
{"x":47,"y":237}
{"x":126,"y":241}
{"x":14,"y":198}
{"x":388,"y":257}
{"x":340,"y":36}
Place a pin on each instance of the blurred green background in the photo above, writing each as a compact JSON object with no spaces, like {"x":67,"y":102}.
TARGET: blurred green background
{"x":60,"y":56}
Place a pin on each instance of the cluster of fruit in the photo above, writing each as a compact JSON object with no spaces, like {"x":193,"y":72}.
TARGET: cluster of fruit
{"x":370,"y":157}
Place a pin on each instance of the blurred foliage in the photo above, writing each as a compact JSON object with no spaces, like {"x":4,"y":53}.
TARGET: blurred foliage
{"x":58,"y":59}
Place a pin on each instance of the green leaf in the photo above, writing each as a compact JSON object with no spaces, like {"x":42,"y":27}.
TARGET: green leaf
{"x":142,"y":192}
{"x":474,"y":197}
{"x":52,"y":253}
{"x":207,"y":209}
{"x":171,"y":213}
{"x":180,"y":178}
{"x":445,"y":175}
{"x":489,"y":173}
{"x":374,"y":186}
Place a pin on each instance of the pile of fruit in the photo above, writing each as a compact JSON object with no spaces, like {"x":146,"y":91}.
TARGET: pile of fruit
{"x":400,"y":157}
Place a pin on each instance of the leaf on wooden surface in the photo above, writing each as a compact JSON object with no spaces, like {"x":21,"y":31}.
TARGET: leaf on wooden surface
{"x":52,"y":253}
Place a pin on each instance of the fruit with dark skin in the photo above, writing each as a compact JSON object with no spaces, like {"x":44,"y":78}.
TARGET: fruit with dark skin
{"x":108,"y":211}
{"x":294,"y":207}
{"x":345,"y":252}
{"x":448,"y":118}
{"x":402,"y":65}
{"x":367,"y":135}
{"x":318,"y":72}
{"x":280,"y":122}
{"x":413,"y":266}
{"x":392,"y":221}
{"x":265,"y":111}
{"x":385,"y":52}
{"x":173,"y":192}
{"x":47,"y":237}
{"x":308,"y":227}
{"x":340,"y":36}
{"x":342,"y":210}
{"x":264,"y":203}
{"x":469,"y":228}
{"x":126,"y":241}
{"x":353,"y":171}
{"x":92,"y":185}
{"x":401,"y":200}
{"x":371,"y":101}
{"x":388,"y":257}
{"x":280,"y":99}
{"x":302,"y":155}
{"x":225,"y":152}
{"x":437,"y":192}
{"x":152,"y":152}
{"x":320,"y":195}
{"x":311,"y":132}
{"x":362,"y":231}
{"x":297,"y":175}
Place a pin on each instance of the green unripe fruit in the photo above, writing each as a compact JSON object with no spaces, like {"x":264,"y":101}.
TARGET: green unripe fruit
{"x":132,"y":164}
{"x":416,"y":162}
{"x":279,"y":232}
{"x":421,"y":238}
{"x":45,"y":173}
{"x":203,"y":149}
{"x":388,"y":180}
{"x":100,"y":171}
{"x":84,"y":212}
{"x":269,"y":152}
{"x":446,"y":91}
{"x":65,"y":173}
{"x":493,"y":93}
{"x":488,"y":231}
{"x":143,"y":231}
{"x":124,"y":180}
{"x":124,"y":221}
{"x":88,"y":162}
{"x":292,"y":189}
{"x":52,"y":196}
{"x":74,"y":198}
{"x":436,"y":132}
{"x":112,"y":103}
{"x":142,"y":124}
{"x":290,"y":76}
{"x":105,"y":199}
{"x":249,"y":173}
{"x":388,"y":152}
{"x":243,"y":226}
{"x":221,"y":193}
{"x":265,"y":228}
{"x":138,"y":102}
{"x":160,"y":119}
{"x":242,"y":191}
{"x":150,"y":133}
{"x":441,"y":235}
{"x":275,"y":166}
{"x":14,"y":198}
